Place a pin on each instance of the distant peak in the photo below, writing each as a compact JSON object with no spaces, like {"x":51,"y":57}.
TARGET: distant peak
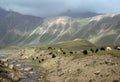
{"x":99,"y":17}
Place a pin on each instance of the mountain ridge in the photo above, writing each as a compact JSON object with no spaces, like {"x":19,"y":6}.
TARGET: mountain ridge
{"x":26,"y":30}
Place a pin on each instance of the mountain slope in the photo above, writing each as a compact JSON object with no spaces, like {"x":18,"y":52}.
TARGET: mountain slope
{"x":24,"y":30}
{"x":14,"y":26}
{"x":101,"y":30}
{"x":55,"y":30}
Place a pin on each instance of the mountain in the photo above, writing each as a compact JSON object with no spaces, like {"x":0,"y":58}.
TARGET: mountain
{"x":100,"y":30}
{"x":25,"y":30}
{"x":14,"y":27}
{"x":76,"y":14}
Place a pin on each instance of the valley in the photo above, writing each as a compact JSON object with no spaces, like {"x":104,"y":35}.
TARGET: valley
{"x":62,"y":48}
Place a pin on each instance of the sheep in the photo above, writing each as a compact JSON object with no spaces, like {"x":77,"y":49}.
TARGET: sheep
{"x":117,"y":47}
{"x":92,"y":50}
{"x":85,"y":52}
{"x":33,"y":59}
{"x":50,"y":53}
{"x":108,"y":48}
{"x":42,"y":59}
{"x":53,"y":56}
{"x":39,"y":61}
{"x":36,"y":57}
{"x":102,"y":49}
{"x":64,"y":52}
{"x":71,"y":52}
{"x":49,"y":48}
{"x":21,"y":54}
{"x":96,"y":50}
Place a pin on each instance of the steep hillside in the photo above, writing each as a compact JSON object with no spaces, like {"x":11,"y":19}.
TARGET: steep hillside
{"x":24,"y":30}
{"x":55,"y":30}
{"x":101,"y":30}
{"x":14,"y":27}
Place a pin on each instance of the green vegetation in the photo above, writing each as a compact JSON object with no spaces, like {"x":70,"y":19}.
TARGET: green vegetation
{"x":74,"y":45}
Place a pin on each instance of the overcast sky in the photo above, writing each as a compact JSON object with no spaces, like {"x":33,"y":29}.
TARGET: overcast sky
{"x":45,"y":8}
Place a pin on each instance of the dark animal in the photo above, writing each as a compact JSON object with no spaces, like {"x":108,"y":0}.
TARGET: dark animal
{"x":42,"y":59}
{"x":96,"y":50}
{"x":21,"y":54}
{"x":50,"y":53}
{"x":49,"y":48}
{"x":36,"y":57}
{"x":85,"y":52}
{"x":33,"y":59}
{"x":71,"y":52}
{"x":92,"y":50}
{"x":102,"y":49}
{"x":53,"y":55}
{"x":64,"y":52}
{"x":117,"y":47}
{"x":61,"y":49}
{"x":39,"y":61}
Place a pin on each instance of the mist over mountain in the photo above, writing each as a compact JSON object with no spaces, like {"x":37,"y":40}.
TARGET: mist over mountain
{"x":14,"y":26}
{"x":79,"y":14}
{"x":26,"y":30}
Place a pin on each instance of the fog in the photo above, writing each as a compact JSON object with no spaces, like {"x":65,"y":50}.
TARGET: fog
{"x":45,"y":8}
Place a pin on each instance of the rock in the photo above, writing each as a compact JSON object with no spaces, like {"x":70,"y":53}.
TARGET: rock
{"x":97,"y":72}
{"x":6,"y":64}
{"x":21,"y":69}
{"x":28,"y":69}
{"x":13,"y":77}
{"x":4,"y":60}
{"x":60,"y":74}
{"x":18,"y":65}
{"x":11,"y":66}
{"x":107,"y":74}
{"x":25,"y":57}
{"x":31,"y":72}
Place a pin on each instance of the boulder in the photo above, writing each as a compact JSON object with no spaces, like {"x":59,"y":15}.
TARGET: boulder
{"x":97,"y":72}
{"x":11,"y":66}
{"x":28,"y":69}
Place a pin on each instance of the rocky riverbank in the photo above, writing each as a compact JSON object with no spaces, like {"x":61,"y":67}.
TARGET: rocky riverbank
{"x":11,"y":70}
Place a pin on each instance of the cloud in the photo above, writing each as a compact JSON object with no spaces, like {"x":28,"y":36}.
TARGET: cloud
{"x":52,"y":7}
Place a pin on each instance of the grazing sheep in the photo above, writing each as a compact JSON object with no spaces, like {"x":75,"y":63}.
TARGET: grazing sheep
{"x":102,"y":49}
{"x":36,"y":57}
{"x":39,"y":61}
{"x":50,"y":53}
{"x":53,"y":56}
{"x":71,"y":52}
{"x":33,"y":59}
{"x":42,"y":59}
{"x":49,"y":48}
{"x":21,"y":54}
{"x":117,"y":47}
{"x":64,"y":52}
{"x":108,"y":48}
{"x":96,"y":50}
{"x":85,"y":52}
{"x":92,"y":50}
{"x":61,"y":49}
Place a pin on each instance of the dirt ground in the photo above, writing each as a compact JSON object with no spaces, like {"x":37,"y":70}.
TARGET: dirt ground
{"x":90,"y":68}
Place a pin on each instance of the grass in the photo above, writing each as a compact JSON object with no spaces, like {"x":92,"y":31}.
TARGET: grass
{"x":73,"y":45}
